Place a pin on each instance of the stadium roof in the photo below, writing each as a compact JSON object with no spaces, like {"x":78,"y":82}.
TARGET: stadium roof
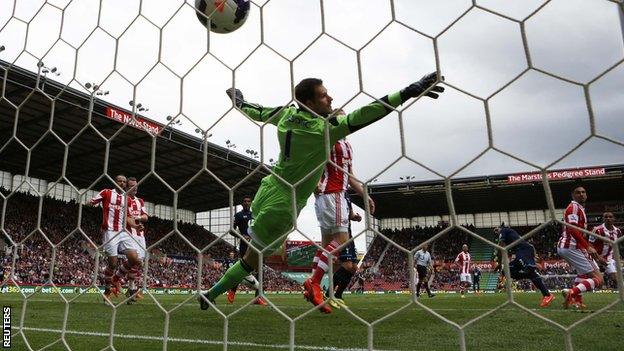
{"x":178,"y":155}
{"x":487,"y":194}
{"x":179,"y":158}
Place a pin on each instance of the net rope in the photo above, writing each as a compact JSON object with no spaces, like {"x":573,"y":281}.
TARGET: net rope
{"x":370,"y":325}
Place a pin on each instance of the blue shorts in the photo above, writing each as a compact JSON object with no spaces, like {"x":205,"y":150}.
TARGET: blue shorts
{"x":523,"y":259}
{"x":523,"y":266}
{"x":348,"y":254}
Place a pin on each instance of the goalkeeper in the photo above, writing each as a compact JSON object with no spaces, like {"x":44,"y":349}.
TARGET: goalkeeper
{"x":301,"y":134}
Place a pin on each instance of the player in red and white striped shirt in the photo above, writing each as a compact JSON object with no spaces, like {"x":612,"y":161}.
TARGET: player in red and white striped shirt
{"x":112,"y":206}
{"x":334,"y":213}
{"x":575,"y":249}
{"x":611,"y":232}
{"x":137,"y":215}
{"x":113,"y":221}
{"x":463,"y":261}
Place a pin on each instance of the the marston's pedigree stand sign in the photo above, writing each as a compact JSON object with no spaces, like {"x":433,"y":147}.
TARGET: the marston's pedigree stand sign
{"x":556,"y":175}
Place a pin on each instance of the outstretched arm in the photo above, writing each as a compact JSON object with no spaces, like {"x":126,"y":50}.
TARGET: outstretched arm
{"x":98,"y":198}
{"x":341,"y":126}
{"x":254,"y":111}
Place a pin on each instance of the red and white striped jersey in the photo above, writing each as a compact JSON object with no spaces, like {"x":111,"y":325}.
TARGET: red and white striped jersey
{"x":112,"y":204}
{"x":604,"y":249}
{"x":572,"y":238}
{"x":136,"y":208}
{"x":463,"y":259}
{"x":334,"y":179}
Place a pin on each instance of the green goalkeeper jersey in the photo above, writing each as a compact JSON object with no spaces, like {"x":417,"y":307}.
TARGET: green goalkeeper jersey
{"x":302,"y":141}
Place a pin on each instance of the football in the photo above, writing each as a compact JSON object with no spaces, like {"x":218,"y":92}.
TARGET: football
{"x":222,"y":16}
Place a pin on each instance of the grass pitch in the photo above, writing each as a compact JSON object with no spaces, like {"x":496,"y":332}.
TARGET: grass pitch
{"x":408,"y":326}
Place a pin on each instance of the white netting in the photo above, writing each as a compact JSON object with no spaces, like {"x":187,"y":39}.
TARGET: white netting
{"x":151,"y":56}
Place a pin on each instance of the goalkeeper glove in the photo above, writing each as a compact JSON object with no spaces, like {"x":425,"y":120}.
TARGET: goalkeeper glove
{"x":415,"y":89}
{"x":236,"y":95}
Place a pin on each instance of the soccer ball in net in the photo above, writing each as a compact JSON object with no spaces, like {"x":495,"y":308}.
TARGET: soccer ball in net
{"x":224,"y":16}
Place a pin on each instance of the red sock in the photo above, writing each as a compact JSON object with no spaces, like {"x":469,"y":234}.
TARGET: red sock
{"x":108,"y":276}
{"x":584,"y":285}
{"x":316,"y":259}
{"x":323,"y":262}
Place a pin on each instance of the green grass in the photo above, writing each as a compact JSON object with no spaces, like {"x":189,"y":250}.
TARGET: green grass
{"x":412,"y":328}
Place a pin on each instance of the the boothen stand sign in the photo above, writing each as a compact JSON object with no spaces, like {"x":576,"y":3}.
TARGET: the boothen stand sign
{"x":556,"y":175}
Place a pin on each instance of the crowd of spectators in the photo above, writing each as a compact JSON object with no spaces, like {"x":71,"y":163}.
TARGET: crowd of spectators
{"x":59,"y":220}
{"x":172,"y":262}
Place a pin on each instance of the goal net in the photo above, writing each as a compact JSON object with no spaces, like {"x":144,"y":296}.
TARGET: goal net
{"x":93,"y":90}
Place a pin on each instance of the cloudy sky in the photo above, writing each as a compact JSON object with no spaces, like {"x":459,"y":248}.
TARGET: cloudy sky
{"x":160,"y":55}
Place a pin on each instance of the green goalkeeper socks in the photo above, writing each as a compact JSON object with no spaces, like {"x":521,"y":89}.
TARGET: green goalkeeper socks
{"x":230,"y":279}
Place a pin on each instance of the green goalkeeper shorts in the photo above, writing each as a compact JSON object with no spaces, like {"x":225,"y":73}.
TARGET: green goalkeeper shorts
{"x":272,"y":217}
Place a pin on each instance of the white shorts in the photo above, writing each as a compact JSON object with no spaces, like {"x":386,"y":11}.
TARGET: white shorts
{"x":332,"y":213}
{"x":610,"y":266}
{"x":579,"y":260}
{"x":465,"y":277}
{"x":141,"y":246}
{"x":116,"y":243}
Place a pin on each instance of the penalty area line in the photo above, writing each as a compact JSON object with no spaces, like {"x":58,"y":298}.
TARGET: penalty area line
{"x":195,"y":341}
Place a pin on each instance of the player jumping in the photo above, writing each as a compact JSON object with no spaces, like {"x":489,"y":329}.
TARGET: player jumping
{"x":575,"y":249}
{"x":523,"y":266}
{"x":334,"y":214}
{"x":137,"y":215}
{"x":116,"y":239}
{"x":301,"y":134}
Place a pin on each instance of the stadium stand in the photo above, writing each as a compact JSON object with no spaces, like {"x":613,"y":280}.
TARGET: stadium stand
{"x":172,"y":264}
{"x":386,"y":265}
{"x":478,"y":195}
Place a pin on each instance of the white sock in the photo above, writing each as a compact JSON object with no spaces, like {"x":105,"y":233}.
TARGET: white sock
{"x":251,"y":282}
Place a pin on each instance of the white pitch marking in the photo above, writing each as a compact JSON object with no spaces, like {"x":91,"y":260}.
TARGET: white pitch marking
{"x":196,"y":341}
